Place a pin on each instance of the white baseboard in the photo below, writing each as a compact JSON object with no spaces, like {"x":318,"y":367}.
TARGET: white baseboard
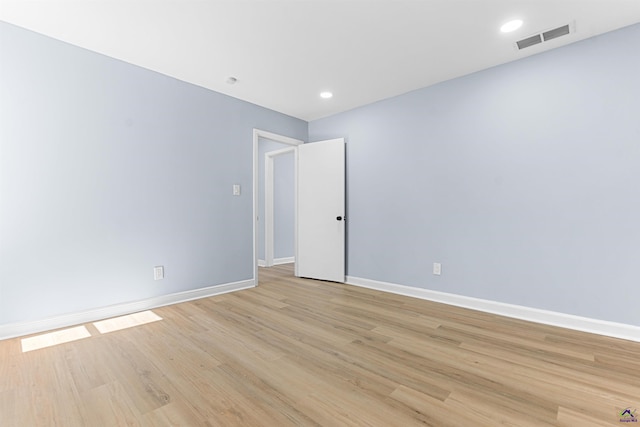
{"x":277,"y":261}
{"x":569,"y":321}
{"x":13,"y":330}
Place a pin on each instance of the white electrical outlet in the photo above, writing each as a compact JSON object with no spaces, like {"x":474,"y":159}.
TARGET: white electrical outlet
{"x":437,"y":268}
{"x":158,"y":272}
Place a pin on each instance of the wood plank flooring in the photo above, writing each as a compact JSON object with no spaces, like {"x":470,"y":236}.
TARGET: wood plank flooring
{"x":296,"y":352}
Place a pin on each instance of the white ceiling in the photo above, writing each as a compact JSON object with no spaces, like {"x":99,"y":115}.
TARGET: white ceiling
{"x":284,"y":53}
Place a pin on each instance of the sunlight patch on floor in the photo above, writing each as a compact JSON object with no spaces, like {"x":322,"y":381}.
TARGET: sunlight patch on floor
{"x":54,"y":338}
{"x":128,"y":321}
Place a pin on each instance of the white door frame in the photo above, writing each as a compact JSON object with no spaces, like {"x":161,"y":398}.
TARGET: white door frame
{"x":257,"y":134}
{"x":269,"y":217}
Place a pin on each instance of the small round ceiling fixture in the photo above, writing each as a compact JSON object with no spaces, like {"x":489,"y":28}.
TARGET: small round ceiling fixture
{"x":231,"y":80}
{"x":511,"y":26}
{"x":326,"y":95}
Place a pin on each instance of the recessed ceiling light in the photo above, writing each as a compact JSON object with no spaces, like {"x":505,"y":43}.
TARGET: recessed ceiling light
{"x":511,"y":26}
{"x":326,"y":95}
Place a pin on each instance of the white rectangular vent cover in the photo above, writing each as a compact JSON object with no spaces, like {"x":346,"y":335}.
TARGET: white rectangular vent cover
{"x":544,"y":36}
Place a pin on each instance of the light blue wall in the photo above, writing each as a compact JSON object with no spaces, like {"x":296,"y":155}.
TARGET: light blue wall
{"x":107,"y":170}
{"x":522,"y":180}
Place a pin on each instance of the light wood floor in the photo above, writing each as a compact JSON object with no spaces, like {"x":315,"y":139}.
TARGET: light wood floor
{"x":295,"y":352}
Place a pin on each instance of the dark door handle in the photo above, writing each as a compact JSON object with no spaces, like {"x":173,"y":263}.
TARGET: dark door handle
{"x":339,"y":218}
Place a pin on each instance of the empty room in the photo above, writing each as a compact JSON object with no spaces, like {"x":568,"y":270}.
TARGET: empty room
{"x":319,"y":213}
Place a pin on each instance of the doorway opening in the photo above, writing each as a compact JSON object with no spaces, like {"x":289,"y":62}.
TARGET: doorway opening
{"x":269,"y":150}
{"x":279,"y":208}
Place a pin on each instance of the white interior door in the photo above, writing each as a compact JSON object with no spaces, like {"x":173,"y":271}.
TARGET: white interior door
{"x":320,"y":249}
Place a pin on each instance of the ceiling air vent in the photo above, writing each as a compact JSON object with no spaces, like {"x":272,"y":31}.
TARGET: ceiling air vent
{"x":557,"y":32}
{"x":529,"y":41}
{"x":544,"y":37}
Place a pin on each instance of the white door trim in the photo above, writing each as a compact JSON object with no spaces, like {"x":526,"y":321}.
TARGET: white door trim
{"x":257,"y":134}
{"x":269,"y":217}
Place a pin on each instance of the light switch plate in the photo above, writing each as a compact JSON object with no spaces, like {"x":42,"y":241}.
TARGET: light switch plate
{"x":437,"y":268}
{"x":158,"y":272}
{"x":236,"y":189}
